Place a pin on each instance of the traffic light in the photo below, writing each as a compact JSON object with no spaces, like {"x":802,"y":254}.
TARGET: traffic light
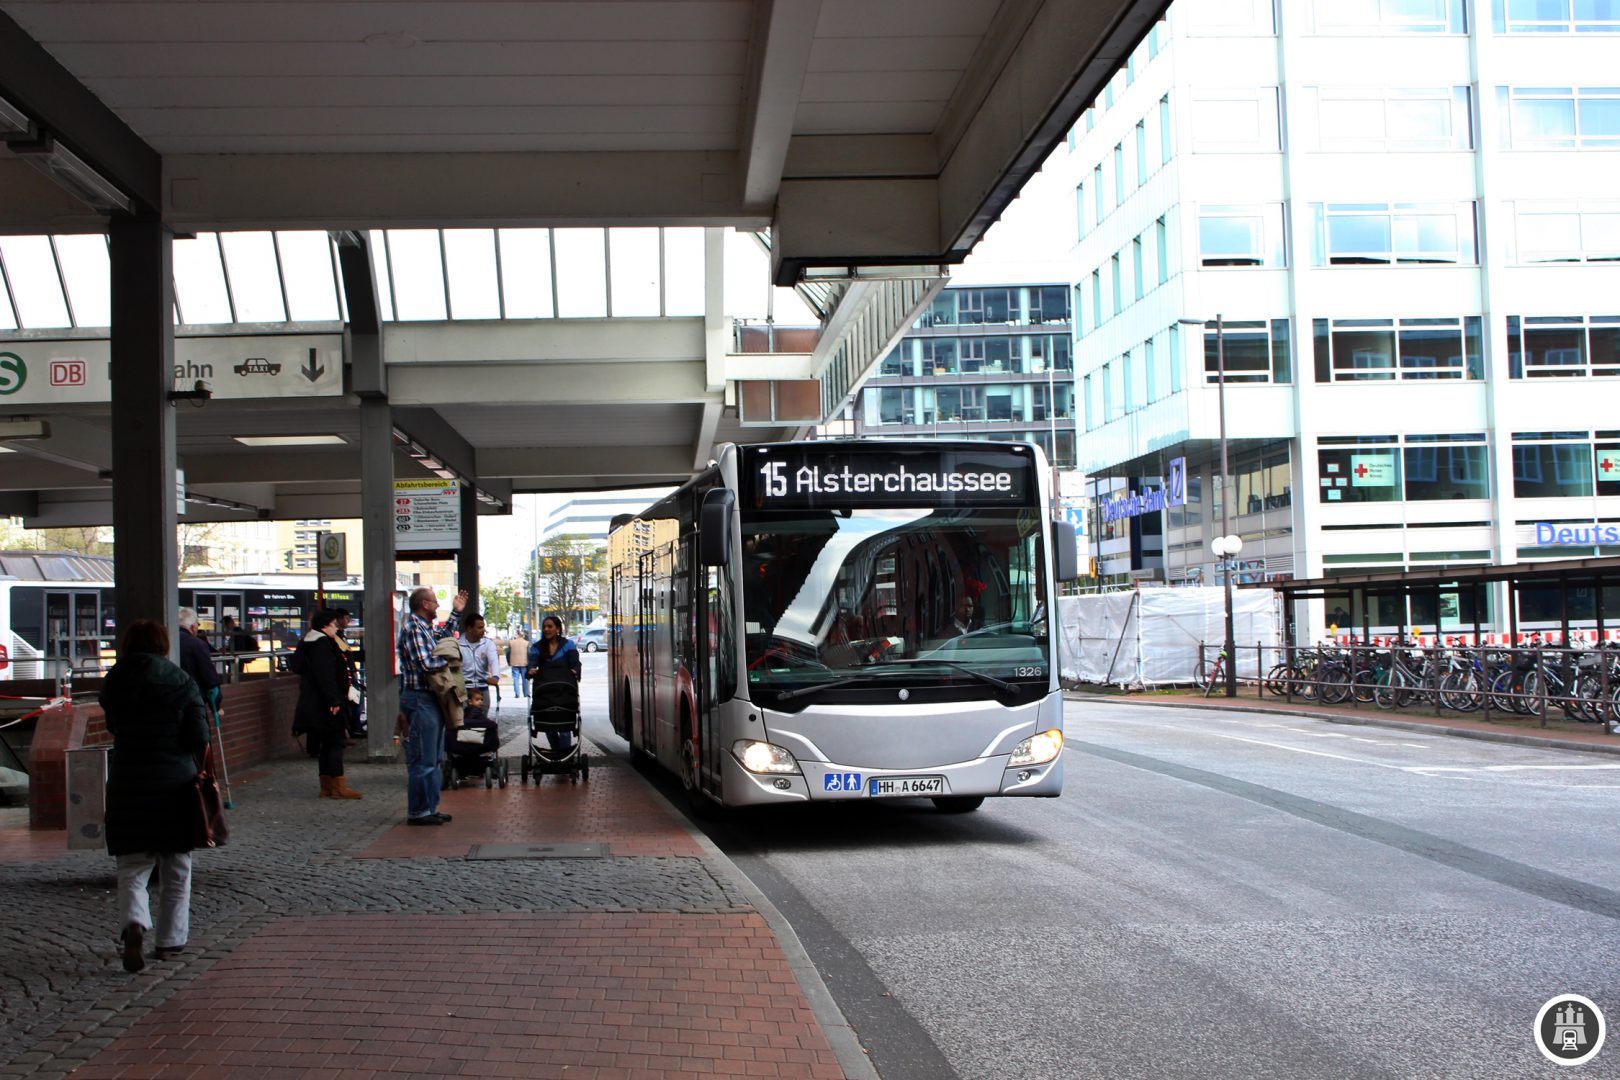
{"x":286,"y":558}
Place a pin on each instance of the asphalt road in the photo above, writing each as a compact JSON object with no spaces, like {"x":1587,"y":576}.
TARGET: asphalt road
{"x":1215,"y":895}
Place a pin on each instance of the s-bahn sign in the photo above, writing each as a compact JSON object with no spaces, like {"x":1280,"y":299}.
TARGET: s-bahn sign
{"x":77,"y":371}
{"x":1132,"y":504}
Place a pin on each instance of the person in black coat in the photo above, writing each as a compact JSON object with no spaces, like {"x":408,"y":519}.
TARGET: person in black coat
{"x":159,"y":727}
{"x":323,"y":701}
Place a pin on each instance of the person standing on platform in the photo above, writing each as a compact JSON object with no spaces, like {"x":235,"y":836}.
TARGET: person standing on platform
{"x":160,"y":728}
{"x":323,"y":701}
{"x":554,"y":656}
{"x":424,"y":743}
{"x":480,"y":662}
{"x":517,"y":660}
{"x":354,"y":656}
{"x":197,"y":660}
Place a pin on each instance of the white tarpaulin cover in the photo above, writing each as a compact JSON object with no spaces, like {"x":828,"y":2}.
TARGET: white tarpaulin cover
{"x":1146,"y":637}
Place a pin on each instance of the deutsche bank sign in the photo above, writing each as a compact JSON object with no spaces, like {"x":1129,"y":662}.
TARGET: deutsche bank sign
{"x":1173,"y":493}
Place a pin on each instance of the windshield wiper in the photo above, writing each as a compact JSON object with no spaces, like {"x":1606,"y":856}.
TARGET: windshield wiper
{"x":999,"y":684}
{"x":835,"y":684}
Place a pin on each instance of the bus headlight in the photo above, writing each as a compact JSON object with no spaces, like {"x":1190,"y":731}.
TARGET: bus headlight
{"x":763,"y":757}
{"x":1037,"y":749}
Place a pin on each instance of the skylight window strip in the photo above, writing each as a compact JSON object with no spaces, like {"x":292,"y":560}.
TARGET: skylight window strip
{"x":11,"y":300}
{"x":607,"y":270}
{"x":253,"y":269}
{"x":281,"y":276}
{"x":337,"y":279}
{"x":663,"y":278}
{"x":383,"y":274}
{"x":219,"y":253}
{"x":36,"y":288}
{"x":444,"y":270}
{"x":307,"y":274}
{"x":551,"y":248}
{"x":61,"y":281}
{"x":500,"y":279}
{"x":86,"y":273}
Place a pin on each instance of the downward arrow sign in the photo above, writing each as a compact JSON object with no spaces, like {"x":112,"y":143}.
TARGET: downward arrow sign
{"x":312,"y":370}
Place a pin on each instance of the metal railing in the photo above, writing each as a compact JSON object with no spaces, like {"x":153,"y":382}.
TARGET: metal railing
{"x":1540,"y":681}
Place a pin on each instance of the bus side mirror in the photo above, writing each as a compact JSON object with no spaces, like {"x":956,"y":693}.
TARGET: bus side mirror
{"x":714,"y":527}
{"x":1065,"y":551}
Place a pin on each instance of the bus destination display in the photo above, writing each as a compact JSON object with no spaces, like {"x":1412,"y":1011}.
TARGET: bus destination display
{"x":801,"y":477}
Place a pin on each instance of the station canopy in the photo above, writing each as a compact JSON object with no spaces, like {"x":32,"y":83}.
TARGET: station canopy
{"x":552,"y":201}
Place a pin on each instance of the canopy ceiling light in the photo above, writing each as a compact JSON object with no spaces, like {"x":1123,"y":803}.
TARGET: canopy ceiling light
{"x":291,"y":440}
{"x":68,"y":170}
{"x":12,"y":430}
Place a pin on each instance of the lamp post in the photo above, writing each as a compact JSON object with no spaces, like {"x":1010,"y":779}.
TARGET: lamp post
{"x":1226,"y":550}
{"x":1232,"y":544}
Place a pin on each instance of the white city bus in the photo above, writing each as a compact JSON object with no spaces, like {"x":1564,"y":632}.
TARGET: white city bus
{"x":840,"y":620}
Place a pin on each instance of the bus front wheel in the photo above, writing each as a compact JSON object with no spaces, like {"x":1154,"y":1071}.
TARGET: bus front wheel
{"x":958,"y":804}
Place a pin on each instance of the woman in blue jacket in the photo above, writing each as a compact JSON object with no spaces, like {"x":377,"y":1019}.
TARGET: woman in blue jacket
{"x":551,"y":658}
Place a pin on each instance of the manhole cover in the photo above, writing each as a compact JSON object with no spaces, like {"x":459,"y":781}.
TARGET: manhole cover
{"x":538,"y":851}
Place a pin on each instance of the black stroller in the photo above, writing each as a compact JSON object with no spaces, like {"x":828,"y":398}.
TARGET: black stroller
{"x":554,"y":710}
{"x":472,"y":751}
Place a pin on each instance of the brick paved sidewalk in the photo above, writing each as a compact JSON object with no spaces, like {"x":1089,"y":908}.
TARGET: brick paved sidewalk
{"x":329,"y":940}
{"x":1562,"y":734}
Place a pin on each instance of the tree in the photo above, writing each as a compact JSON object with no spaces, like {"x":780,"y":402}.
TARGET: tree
{"x":501,"y":601}
{"x":567,"y":575}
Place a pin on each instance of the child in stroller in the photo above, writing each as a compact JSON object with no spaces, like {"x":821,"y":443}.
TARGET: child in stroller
{"x":554,"y":716}
{"x":474,"y":749}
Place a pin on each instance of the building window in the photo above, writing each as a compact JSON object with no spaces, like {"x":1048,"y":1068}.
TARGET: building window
{"x":1141,"y":153}
{"x":1559,"y":117}
{"x":1127,"y":375}
{"x":1220,"y":17}
{"x":1161,"y":239}
{"x":1359,"y":469}
{"x":1097,"y":192}
{"x":1107,"y":393}
{"x":1563,"y":346}
{"x":1373,"y":119}
{"x":1567,"y":232}
{"x":1119,"y":174}
{"x":1552,"y":464}
{"x":1380,"y":350}
{"x":1175,"y":359}
{"x":1241,"y":235}
{"x":1254,"y":352}
{"x":1390,"y":16}
{"x":1441,"y":467}
{"x":1096,"y":299}
{"x":1150,"y":369}
{"x":1091,"y":419}
{"x":1165,"y":142}
{"x":1080,"y":211}
{"x":1379,"y":234}
{"x":1119,"y":293}
{"x":1236,"y":121}
{"x":1136,"y":267}
{"x":1556,"y":16}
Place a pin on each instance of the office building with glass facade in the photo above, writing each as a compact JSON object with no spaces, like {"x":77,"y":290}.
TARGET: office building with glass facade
{"x":1406,"y":214}
{"x":985,"y":362}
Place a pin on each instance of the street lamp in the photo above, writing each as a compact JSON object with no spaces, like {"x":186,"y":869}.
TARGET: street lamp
{"x":1226,"y":549}
{"x":1231,"y":543}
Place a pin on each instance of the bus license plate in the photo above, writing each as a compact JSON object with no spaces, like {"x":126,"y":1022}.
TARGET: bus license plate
{"x":907,"y":785}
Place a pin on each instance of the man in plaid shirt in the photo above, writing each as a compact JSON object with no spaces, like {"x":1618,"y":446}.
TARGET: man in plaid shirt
{"x":424,"y":743}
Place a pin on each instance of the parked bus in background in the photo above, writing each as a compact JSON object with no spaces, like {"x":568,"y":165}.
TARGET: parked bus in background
{"x":840,"y":620}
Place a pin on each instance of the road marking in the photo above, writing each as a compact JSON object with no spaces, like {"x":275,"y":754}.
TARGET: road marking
{"x":1509,"y":768}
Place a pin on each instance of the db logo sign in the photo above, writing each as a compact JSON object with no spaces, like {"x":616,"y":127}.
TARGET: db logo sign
{"x":67,"y":373}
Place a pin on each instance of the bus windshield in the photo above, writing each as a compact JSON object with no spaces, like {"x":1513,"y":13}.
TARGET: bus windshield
{"x":925,"y":596}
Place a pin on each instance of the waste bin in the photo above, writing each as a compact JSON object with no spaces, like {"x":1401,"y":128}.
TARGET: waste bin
{"x":87,"y":797}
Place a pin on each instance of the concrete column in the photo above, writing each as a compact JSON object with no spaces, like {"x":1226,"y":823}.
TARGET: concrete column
{"x":145,"y":559}
{"x":377,"y":542}
{"x":467,"y":560}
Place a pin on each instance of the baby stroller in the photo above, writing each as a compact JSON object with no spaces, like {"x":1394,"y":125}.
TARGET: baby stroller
{"x":554,"y":710}
{"x":474,"y":750}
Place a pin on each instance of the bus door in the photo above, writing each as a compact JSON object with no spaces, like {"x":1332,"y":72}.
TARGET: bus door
{"x":211,"y":608}
{"x":73,"y":627}
{"x":647,"y":626}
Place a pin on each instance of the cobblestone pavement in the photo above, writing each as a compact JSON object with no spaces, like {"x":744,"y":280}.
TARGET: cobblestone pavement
{"x":65,"y":997}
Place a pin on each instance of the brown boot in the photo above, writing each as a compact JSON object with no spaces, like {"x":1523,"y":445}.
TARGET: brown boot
{"x":342,"y":790}
{"x":326,"y":787}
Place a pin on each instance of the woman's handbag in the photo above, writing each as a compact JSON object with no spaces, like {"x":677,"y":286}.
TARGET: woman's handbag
{"x":211,"y":830}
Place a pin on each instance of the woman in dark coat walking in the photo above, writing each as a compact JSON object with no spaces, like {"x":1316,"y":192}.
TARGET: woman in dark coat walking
{"x":159,"y":727}
{"x":323,"y":702}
